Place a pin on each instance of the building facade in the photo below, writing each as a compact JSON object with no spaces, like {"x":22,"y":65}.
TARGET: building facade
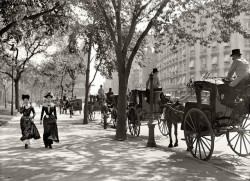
{"x":193,"y":62}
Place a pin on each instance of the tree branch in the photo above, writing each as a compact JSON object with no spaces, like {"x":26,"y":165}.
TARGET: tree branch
{"x":31,"y":17}
{"x":108,"y":22}
{"x":143,"y":35}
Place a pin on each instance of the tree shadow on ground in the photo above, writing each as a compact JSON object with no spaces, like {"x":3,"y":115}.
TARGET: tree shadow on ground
{"x":88,"y":152}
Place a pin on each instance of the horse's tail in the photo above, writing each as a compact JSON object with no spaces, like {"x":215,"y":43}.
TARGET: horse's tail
{"x":132,"y":114}
{"x":114,"y":113}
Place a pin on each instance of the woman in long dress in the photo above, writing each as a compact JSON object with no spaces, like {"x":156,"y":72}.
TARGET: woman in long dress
{"x":27,"y":125}
{"x":49,"y":118}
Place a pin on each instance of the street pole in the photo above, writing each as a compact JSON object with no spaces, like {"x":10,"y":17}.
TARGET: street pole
{"x":12,"y":89}
{"x":151,"y":126}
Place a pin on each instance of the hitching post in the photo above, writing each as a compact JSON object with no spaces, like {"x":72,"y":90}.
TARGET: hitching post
{"x":151,"y":126}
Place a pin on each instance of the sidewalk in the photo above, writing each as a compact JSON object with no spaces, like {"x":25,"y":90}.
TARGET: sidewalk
{"x":5,"y":115}
{"x":88,"y":152}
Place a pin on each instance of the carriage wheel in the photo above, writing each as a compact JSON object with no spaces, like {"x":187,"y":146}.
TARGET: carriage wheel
{"x":162,"y":124}
{"x":134,"y":128}
{"x":199,"y":134}
{"x":239,"y":137}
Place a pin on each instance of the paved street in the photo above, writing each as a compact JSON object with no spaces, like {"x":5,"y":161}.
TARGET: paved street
{"x":88,"y":152}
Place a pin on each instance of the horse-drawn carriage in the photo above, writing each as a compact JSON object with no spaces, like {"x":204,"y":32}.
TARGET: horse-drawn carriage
{"x":219,"y":110}
{"x":139,"y":110}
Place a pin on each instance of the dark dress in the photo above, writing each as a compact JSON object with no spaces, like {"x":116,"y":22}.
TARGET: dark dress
{"x":28,"y":128}
{"x":49,"y":124}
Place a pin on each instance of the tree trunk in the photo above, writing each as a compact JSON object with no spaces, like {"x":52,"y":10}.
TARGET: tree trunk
{"x":122,"y":103}
{"x":17,"y":94}
{"x":87,"y":86}
{"x":5,"y":98}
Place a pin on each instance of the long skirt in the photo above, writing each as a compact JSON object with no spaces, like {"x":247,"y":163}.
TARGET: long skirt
{"x":50,"y":131}
{"x":28,"y":129}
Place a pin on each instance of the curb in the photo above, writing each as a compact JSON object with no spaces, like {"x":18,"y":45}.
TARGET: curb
{"x":163,"y":148}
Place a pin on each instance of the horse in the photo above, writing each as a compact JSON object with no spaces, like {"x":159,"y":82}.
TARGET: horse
{"x":173,"y":113}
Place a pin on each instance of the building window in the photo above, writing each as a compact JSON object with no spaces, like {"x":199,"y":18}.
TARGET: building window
{"x":203,"y":49}
{"x":191,"y":64}
{"x":247,"y":55}
{"x":214,"y":46}
{"x":183,"y":53}
{"x":226,"y":44}
{"x":226,"y":72}
{"x":203,"y":63}
{"x":214,"y":60}
{"x":247,"y":24}
{"x":247,"y":42}
{"x":227,"y":58}
{"x":192,"y":50}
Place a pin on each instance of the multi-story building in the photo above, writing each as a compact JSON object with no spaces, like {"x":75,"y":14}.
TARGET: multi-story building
{"x":192,"y":62}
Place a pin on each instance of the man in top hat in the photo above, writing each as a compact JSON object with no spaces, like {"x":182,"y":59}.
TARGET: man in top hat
{"x":239,"y":66}
{"x":156,"y":80}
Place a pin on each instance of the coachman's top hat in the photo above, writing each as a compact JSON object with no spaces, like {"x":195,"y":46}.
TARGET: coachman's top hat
{"x":155,"y":70}
{"x":48,"y":95}
{"x":235,"y":52}
{"x":25,"y":96}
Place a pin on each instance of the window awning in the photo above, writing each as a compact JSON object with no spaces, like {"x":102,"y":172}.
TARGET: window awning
{"x":214,"y":60}
{"x":183,"y":80}
{"x":214,"y":44}
{"x":183,"y":51}
{"x":226,"y":58}
{"x":226,"y":73}
{"x":191,"y":64}
{"x":180,"y":80}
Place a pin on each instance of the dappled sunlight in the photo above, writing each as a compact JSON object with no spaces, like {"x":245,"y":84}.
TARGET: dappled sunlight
{"x":88,"y":152}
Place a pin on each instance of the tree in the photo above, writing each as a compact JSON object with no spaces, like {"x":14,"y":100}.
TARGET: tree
{"x":129,"y":22}
{"x":14,"y":13}
{"x":31,"y":43}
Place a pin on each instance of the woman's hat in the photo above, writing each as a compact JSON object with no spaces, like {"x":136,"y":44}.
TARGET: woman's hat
{"x":235,"y":52}
{"x":48,"y":95}
{"x":25,"y":96}
{"x":155,"y":70}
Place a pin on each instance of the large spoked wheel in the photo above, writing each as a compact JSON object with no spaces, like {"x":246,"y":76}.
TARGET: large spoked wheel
{"x":239,"y":136}
{"x":162,"y":124}
{"x":199,"y":134}
{"x":134,"y":128}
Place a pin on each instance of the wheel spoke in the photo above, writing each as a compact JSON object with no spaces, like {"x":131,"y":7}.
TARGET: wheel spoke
{"x":206,"y":145}
{"x":192,"y":122}
{"x":203,"y":148}
{"x":244,"y":143}
{"x":246,"y":126}
{"x":247,"y":139}
{"x":240,"y":143}
{"x":199,"y":149}
{"x":234,"y":137}
{"x":191,"y":126}
{"x":196,"y":146}
{"x":236,"y":142}
{"x":245,"y":121}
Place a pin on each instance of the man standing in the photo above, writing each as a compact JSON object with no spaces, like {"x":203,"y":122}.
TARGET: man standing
{"x":101,"y":93}
{"x":239,"y":66}
{"x":156,"y":80}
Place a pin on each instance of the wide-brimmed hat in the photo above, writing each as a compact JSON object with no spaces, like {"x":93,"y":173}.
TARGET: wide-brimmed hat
{"x":49,"y":94}
{"x":235,"y":52}
{"x":155,"y":70}
{"x":25,"y":96}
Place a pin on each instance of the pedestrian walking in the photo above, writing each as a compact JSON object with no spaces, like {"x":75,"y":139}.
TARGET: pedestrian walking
{"x":49,"y":118}
{"x":27,"y":125}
